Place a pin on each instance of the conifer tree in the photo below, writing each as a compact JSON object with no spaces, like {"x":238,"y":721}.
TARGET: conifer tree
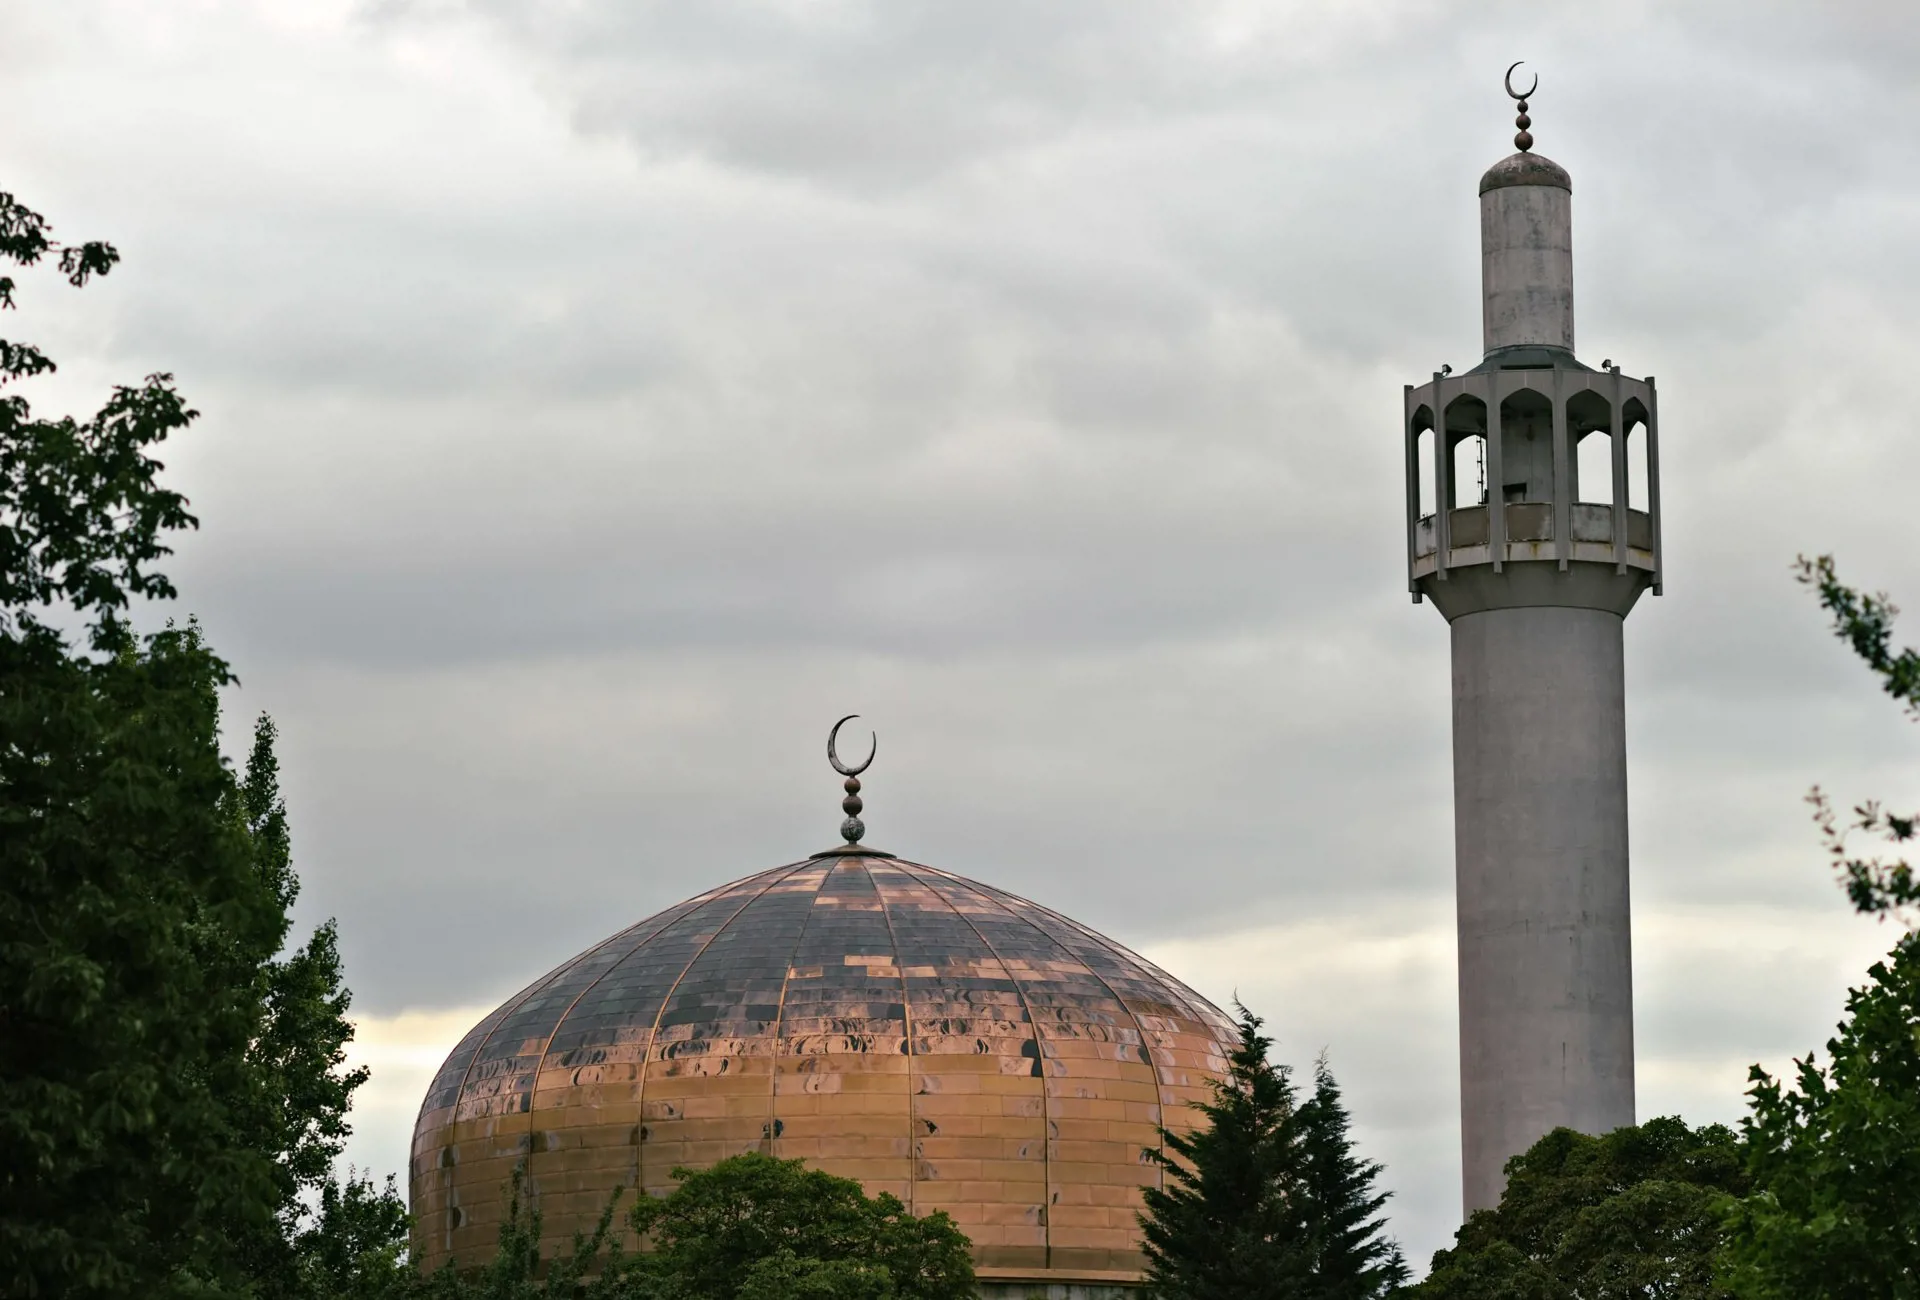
{"x":1353,"y":1260}
{"x":1266,"y":1201}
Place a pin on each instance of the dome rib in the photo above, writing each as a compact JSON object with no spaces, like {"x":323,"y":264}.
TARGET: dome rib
{"x":1145,"y":969}
{"x":640,"y":1091}
{"x":786,"y":979}
{"x":505,"y":1012}
{"x":1159,"y":1088}
{"x":672,"y":914}
{"x":1033,"y":1028}
{"x":906,"y":1025}
{"x":513,"y":1004}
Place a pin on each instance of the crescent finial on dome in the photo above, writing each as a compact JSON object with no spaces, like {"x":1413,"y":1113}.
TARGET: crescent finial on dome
{"x":852,"y":828}
{"x":1524,"y":139}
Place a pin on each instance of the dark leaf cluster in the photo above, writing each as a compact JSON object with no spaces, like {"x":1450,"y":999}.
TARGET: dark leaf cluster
{"x":1835,"y":1155}
{"x":172,"y":1084}
{"x":83,"y":516}
{"x":1836,"y":1159}
{"x":1633,"y":1215}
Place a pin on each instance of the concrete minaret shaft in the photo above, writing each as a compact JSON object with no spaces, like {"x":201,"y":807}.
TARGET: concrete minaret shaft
{"x":1535,"y":566}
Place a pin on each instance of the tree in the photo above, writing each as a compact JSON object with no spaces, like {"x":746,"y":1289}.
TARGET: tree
{"x":126,"y":895}
{"x":1352,"y":1258}
{"x":1876,"y":884}
{"x":170,"y":1084}
{"x":594,"y":1269}
{"x":755,"y":1226}
{"x":296,"y":1092}
{"x":1835,"y":1159}
{"x":1633,"y":1215}
{"x":353,"y":1246}
{"x":1266,"y":1199}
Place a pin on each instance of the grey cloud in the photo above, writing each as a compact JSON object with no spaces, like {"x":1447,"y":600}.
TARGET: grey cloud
{"x":892,"y":94}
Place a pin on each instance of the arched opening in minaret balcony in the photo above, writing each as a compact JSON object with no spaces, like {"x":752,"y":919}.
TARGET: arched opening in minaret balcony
{"x":1590,"y":425}
{"x":1466,"y":432}
{"x":1524,"y":462}
{"x":1633,"y":419}
{"x":1462,"y":482}
{"x":1425,"y":479}
{"x":1426,"y":484}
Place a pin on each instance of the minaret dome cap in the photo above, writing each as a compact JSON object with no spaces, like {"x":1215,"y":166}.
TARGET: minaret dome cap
{"x":1526,"y":168}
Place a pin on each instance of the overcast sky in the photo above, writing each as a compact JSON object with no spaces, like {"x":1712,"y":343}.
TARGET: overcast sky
{"x":602,"y":397}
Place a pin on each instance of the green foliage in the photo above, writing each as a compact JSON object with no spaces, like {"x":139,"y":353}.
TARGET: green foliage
{"x":1835,"y":1158}
{"x":173,"y":1086}
{"x":744,"y":1225}
{"x":1865,"y":622}
{"x":299,"y":1091}
{"x":128,"y":904}
{"x":1836,"y":1161}
{"x":82,"y":515}
{"x":1633,"y":1215}
{"x":1352,"y":1258}
{"x":353,"y":1247}
{"x":594,"y":1268}
{"x":1884,"y":883}
{"x":1266,"y":1198}
{"x":786,"y":1276}
{"x":171,"y":1095}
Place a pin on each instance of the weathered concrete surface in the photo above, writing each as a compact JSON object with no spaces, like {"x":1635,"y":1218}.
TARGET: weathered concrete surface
{"x":1540,"y":843}
{"x":1475,"y":588}
{"x":1526,"y":266}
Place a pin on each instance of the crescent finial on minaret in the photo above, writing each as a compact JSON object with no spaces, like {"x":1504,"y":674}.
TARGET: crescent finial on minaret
{"x":1523,"y":141}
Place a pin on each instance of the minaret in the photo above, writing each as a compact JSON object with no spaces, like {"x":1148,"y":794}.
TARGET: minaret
{"x":1535,"y":566}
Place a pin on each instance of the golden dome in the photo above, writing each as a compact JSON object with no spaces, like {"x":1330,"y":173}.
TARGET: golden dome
{"x":948,"y":1042}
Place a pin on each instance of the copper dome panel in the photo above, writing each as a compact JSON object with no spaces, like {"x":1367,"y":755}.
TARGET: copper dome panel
{"x":956,"y":1045}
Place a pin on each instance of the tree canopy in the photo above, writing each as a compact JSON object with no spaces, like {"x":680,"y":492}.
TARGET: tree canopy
{"x":1877,"y":883}
{"x":172,"y":1090}
{"x":753,"y":1225}
{"x":1835,"y":1153}
{"x":1835,"y":1157}
{"x":1633,"y":1215}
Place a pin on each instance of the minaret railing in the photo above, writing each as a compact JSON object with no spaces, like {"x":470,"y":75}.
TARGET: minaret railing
{"x":1617,"y":431}
{"x":1653,"y":486}
{"x":1562,"y":474}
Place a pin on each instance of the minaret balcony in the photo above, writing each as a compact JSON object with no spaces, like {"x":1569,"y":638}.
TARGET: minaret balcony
{"x":1533,"y":458}
{"x":1530,"y":537}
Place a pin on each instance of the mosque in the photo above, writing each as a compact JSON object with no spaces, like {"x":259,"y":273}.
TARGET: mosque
{"x":937,"y":1038}
{"x":971,"y":1051}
